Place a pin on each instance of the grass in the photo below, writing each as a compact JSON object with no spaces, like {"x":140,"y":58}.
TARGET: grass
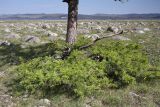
{"x":148,"y":92}
{"x":148,"y":97}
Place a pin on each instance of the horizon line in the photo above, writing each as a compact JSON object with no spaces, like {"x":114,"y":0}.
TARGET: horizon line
{"x":79,"y":13}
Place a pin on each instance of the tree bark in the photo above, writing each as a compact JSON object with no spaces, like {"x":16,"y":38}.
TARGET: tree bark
{"x":72,"y":21}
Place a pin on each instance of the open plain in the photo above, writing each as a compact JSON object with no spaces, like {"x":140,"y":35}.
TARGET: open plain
{"x":22,"y":41}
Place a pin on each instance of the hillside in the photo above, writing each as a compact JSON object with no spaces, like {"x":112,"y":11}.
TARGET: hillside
{"x":81,"y":17}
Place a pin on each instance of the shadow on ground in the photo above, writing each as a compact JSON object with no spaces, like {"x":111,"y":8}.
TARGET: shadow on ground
{"x":14,"y":53}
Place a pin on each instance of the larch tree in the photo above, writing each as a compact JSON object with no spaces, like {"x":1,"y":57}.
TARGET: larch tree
{"x":72,"y":20}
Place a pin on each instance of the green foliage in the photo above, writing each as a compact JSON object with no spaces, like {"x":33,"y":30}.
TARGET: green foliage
{"x":123,"y":64}
{"x":81,"y":41}
{"x":78,"y":74}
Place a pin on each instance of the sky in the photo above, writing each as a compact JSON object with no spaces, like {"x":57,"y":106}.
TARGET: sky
{"x":85,"y":6}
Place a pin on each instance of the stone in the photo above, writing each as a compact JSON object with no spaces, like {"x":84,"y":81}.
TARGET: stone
{"x":58,"y":25}
{"x":139,"y":30}
{"x":32,"y":39}
{"x":52,"y":36}
{"x":96,"y":28}
{"x":49,"y":33}
{"x":113,"y":29}
{"x":92,"y":36}
{"x":4,"y":43}
{"x":2,"y":74}
{"x":44,"y":102}
{"x":23,"y":46}
{"x":134,"y":95}
{"x":7,"y":30}
{"x":12,"y":36}
{"x":45,"y":26}
{"x":146,"y":29}
{"x":81,"y":23}
{"x":83,"y":31}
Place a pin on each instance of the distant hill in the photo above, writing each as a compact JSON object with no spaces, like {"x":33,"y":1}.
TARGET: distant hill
{"x":81,"y":17}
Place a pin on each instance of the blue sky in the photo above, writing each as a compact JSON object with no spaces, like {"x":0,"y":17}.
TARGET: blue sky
{"x":85,"y":6}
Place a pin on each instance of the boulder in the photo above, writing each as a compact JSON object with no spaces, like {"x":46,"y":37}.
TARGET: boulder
{"x":7,"y":30}
{"x":44,"y":103}
{"x":97,"y":29}
{"x":45,"y":26}
{"x":4,"y":43}
{"x":113,"y":29}
{"x":146,"y":29}
{"x":83,"y":31}
{"x":12,"y":36}
{"x":32,"y":39}
{"x":52,"y":36}
{"x":139,"y":30}
{"x":49,"y":33}
{"x":92,"y":36}
{"x":58,"y":25}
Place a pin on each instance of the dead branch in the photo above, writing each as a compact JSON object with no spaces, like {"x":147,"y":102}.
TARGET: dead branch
{"x":103,"y":37}
{"x":67,"y":51}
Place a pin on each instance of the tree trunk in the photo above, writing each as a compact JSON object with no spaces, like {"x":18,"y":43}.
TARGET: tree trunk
{"x":72,"y":21}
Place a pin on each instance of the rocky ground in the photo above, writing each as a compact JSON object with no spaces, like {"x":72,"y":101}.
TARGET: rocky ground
{"x":16,"y":35}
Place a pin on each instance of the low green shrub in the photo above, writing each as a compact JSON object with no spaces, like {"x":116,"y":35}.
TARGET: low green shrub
{"x":121,"y":64}
{"x":81,"y":41}
{"x":78,"y":74}
{"x":125,"y":62}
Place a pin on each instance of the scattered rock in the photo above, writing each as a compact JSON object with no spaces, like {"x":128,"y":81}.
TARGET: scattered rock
{"x":45,"y":26}
{"x":83,"y":31}
{"x":92,"y":102}
{"x":44,"y":103}
{"x":113,"y":29}
{"x":52,"y":36}
{"x":134,"y":95}
{"x":146,"y":29}
{"x":96,"y":29}
{"x":92,"y":36}
{"x":12,"y":36}
{"x":7,"y":30}
{"x":32,"y":39}
{"x":2,"y":74}
{"x":57,"y":56}
{"x":23,"y":46}
{"x":4,"y":43}
{"x":81,"y":23}
{"x":58,"y":25}
{"x":139,"y":30}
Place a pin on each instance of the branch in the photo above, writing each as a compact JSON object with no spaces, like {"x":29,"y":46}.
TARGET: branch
{"x":67,"y":51}
{"x":103,"y":37}
{"x":67,"y":1}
